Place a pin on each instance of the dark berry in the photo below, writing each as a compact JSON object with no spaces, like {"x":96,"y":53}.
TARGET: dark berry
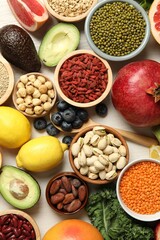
{"x":57,"y":118}
{"x":62,"y":105}
{"x":77,"y":123}
{"x":67,"y":127}
{"x":69,"y":115}
{"x":101,"y":109}
{"x":67,"y":140}
{"x":52,"y":130}
{"x":83,"y":115}
{"x":40,"y":123}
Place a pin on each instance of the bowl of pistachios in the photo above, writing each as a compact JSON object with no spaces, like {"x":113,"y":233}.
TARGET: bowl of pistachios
{"x":98,"y":153}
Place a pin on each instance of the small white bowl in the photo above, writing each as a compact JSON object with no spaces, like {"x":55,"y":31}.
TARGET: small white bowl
{"x":141,"y":217}
{"x":105,"y":55}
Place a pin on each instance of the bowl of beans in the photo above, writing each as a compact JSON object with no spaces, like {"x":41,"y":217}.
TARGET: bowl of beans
{"x":98,"y":153}
{"x":117,"y":30}
{"x":16,"y":224}
{"x":138,"y":189}
{"x":66,"y":193}
{"x":83,"y":79}
{"x":69,"y":10}
{"x":34,"y":95}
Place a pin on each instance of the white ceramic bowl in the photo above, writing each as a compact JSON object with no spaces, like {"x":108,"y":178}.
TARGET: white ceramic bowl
{"x":105,"y":55}
{"x":141,"y":217}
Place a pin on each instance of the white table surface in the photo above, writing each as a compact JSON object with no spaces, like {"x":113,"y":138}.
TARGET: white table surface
{"x":41,"y":212}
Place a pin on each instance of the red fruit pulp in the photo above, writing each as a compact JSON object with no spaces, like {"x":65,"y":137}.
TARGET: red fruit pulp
{"x":156,"y":18}
{"x":25,"y":16}
{"x":35,"y":7}
{"x":129,"y":94}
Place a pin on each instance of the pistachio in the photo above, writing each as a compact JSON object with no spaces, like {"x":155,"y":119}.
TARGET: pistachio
{"x":111,"y":175}
{"x":102,"y":174}
{"x":87,"y":149}
{"x":92,"y":175}
{"x":84,"y":170}
{"x":93,"y":169}
{"x":102,"y":143}
{"x":103,"y":159}
{"x":113,"y":157}
{"x":108,"y":150}
{"x":76,"y":163}
{"x":97,"y":151}
{"x":88,"y":137}
{"x":91,"y":160}
{"x":122,"y":150}
{"x":94,"y":140}
{"x":75,"y":149}
{"x":82,"y":158}
{"x":109,"y":167}
{"x":121,"y":162}
{"x":116,"y":142}
{"x":101,"y":131}
{"x":99,"y":165}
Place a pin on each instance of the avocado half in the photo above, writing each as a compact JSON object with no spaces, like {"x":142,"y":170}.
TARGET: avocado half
{"x":61,"y":39}
{"x":19,"y":188}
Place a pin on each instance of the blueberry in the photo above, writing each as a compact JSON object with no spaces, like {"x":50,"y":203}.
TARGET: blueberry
{"x":69,"y":115}
{"x":40,"y":123}
{"x":62,"y":105}
{"x":57,"y":118}
{"x":52,"y":130}
{"x":77,"y":123}
{"x":67,"y":140}
{"x":67,"y":127}
{"x":101,"y":109}
{"x":83,"y":115}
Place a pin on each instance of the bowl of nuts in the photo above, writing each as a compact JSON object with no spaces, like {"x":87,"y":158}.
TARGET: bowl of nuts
{"x":83,"y":79}
{"x":124,"y":33}
{"x":66,"y":193}
{"x":98,"y":153}
{"x":138,"y":187}
{"x":34,"y":95}
{"x":16,"y":224}
{"x":69,"y":11}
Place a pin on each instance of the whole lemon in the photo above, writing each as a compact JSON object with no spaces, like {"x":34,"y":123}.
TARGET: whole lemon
{"x":73,"y":229}
{"x":15,"y":128}
{"x":41,"y":154}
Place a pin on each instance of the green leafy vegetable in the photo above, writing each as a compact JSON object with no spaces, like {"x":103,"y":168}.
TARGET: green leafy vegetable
{"x":107,"y":215}
{"x":145,"y":3}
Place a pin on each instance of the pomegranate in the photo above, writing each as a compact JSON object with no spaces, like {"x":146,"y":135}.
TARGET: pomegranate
{"x":136,"y":93}
{"x":154,"y":18}
{"x":31,"y":14}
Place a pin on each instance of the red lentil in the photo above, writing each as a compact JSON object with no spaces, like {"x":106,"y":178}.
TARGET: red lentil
{"x":140,"y":187}
{"x":83,"y":78}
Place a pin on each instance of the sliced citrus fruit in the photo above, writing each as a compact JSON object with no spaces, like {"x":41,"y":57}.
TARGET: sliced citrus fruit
{"x":154,"y":152}
{"x":154,"y":17}
{"x":31,"y":14}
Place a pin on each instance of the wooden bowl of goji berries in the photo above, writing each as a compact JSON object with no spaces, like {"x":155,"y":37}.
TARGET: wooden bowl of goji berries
{"x":138,"y":189}
{"x":83,"y":79}
{"x":70,"y":11}
{"x":16,"y":224}
{"x":66,"y":193}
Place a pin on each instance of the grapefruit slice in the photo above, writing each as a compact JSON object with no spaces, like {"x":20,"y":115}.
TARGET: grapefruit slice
{"x":31,"y":14}
{"x":154,"y":17}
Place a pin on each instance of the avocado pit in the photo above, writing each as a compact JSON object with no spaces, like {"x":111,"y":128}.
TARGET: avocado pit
{"x":18,"y":189}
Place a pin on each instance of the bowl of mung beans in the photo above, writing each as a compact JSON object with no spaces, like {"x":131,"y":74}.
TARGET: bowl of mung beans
{"x":117,"y":30}
{"x":138,"y":189}
{"x":69,"y":10}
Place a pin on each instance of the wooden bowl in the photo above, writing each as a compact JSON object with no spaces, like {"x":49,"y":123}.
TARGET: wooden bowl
{"x":91,"y":103}
{"x":68,"y":175}
{"x":33,"y":104}
{"x":7,"y":76}
{"x":25,"y":216}
{"x":81,"y":135}
{"x":65,"y":18}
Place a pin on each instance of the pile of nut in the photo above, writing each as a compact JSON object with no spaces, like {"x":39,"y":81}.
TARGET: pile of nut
{"x":67,"y":194}
{"x":35,"y":94}
{"x":99,"y":154}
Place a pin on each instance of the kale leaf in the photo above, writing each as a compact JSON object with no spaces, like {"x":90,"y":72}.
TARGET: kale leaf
{"x":106,"y":214}
{"x":145,"y":3}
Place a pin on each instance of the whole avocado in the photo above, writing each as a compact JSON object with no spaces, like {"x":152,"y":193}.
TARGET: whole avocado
{"x":18,"y":48}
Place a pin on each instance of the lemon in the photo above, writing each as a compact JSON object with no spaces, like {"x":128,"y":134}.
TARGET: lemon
{"x":154,"y":152}
{"x":15,"y":128}
{"x":41,"y":154}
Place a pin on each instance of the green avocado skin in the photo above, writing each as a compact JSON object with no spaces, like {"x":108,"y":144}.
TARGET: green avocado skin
{"x":18,"y":48}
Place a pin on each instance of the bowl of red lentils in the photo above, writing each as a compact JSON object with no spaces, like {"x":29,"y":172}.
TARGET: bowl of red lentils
{"x":117,"y":30}
{"x":34,"y":95}
{"x":83,"y":79}
{"x":69,"y":10}
{"x":138,"y":189}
